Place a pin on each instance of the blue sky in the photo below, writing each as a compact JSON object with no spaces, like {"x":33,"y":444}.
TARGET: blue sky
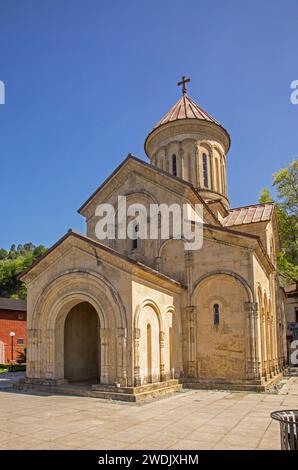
{"x":86,"y":80}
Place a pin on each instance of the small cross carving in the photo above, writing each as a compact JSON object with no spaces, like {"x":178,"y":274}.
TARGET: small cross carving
{"x":183,"y":82}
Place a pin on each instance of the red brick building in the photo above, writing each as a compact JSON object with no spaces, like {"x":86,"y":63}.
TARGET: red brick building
{"x":12,"y":320}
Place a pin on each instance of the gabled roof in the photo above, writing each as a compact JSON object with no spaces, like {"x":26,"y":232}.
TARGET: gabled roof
{"x":249,"y":214}
{"x":260,"y":247}
{"x":132,"y":158}
{"x":185,"y":108}
{"x":105,"y":249}
{"x":133,"y":265}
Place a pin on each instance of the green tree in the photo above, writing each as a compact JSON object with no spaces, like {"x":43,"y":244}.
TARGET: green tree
{"x":265,"y":196}
{"x":3,"y":253}
{"x":29,"y":247}
{"x":285,"y":182}
{"x":38,"y":250}
{"x":12,"y":265}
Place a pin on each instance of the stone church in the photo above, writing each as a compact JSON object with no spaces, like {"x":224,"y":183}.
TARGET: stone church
{"x":136,"y":315}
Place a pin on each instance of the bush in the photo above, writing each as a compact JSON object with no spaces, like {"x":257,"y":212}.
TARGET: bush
{"x":13,"y":367}
{"x":21,"y":359}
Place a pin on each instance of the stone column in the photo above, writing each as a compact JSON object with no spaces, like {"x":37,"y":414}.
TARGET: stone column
{"x":49,"y":345}
{"x":274,"y":304}
{"x":104,"y":343}
{"x":154,"y":160}
{"x":162,"y":355}
{"x":166,"y":165}
{"x":188,"y":259}
{"x":192,"y":349}
{"x":210,"y":158}
{"x":122,"y":356}
{"x":252,"y":344}
{"x":137,"y":372}
{"x":268,"y":343}
{"x":32,"y":353}
{"x":180,"y":161}
{"x":195,"y":179}
{"x":263,"y":324}
{"x":258,"y":344}
{"x":272,"y":354}
{"x":275,"y":345}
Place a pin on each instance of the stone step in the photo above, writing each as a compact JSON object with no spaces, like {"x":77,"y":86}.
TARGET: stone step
{"x":109,"y":393}
{"x":134,"y":390}
{"x":291,"y":372}
{"x":254,"y":386}
{"x":138,"y":397}
{"x":222,"y":386}
{"x":158,"y":393}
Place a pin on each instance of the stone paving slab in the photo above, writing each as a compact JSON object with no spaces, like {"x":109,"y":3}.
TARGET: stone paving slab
{"x":196,"y":419}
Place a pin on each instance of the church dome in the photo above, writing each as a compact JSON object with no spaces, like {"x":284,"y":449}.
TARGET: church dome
{"x":190,"y":144}
{"x":185,"y":108}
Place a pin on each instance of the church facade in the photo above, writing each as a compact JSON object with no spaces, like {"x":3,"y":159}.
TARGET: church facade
{"x":135,"y":312}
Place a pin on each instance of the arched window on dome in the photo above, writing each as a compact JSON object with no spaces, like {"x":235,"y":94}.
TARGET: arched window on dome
{"x":205,"y":171}
{"x":135,"y":237}
{"x":174,"y":165}
{"x":216,"y":314}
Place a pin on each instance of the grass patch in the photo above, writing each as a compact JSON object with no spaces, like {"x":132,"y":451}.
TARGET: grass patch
{"x":12,"y":368}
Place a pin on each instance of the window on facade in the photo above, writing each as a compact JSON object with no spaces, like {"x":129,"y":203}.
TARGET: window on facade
{"x":216,"y":314}
{"x":20,"y":316}
{"x":174,"y":165}
{"x":20,"y":341}
{"x":296,"y":315}
{"x":135,"y":239}
{"x":205,"y":170}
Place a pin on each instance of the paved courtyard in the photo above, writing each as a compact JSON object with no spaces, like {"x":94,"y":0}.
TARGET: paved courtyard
{"x":194,"y":419}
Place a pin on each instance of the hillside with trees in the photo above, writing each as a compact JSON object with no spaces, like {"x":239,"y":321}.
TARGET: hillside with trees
{"x":12,"y":263}
{"x":285,"y":182}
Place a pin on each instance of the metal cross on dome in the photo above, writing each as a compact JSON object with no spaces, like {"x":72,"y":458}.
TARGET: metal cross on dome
{"x":183,"y":82}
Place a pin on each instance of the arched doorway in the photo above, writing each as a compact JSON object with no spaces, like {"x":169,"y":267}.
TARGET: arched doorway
{"x":82,"y":343}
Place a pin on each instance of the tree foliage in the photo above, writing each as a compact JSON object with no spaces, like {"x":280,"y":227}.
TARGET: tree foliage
{"x":285,"y":182}
{"x":12,"y":263}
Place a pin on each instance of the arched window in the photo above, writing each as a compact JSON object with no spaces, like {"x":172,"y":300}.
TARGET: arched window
{"x":205,"y":171}
{"x":135,"y":237}
{"x":216,"y":314}
{"x":174,"y":165}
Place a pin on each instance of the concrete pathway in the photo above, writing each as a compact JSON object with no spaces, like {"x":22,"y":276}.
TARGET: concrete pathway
{"x":9,"y":378}
{"x":196,"y":419}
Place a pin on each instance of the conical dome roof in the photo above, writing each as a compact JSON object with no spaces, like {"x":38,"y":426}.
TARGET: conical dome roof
{"x":185,"y":108}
